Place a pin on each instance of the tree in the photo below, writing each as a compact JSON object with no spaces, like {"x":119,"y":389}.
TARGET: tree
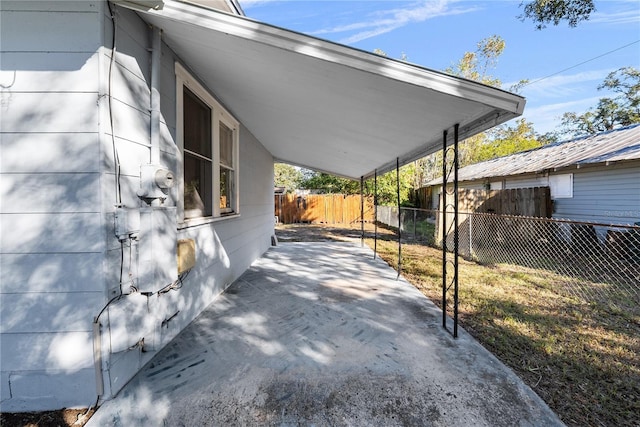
{"x":287,"y":176}
{"x":508,"y":140}
{"x":329,"y":184}
{"x":476,"y":65}
{"x":543,"y":12}
{"x":609,"y":113}
{"x":386,"y":188}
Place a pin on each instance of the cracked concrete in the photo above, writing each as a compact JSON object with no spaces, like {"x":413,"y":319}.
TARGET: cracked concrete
{"x":320,"y":333}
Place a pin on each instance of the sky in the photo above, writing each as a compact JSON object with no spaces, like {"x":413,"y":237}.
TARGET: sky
{"x":564,"y":66}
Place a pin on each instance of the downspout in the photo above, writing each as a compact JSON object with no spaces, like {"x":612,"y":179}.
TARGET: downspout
{"x":155,"y":180}
{"x":156,"y":37}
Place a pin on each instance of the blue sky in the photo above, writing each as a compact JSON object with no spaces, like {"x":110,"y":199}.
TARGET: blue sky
{"x":564,"y":65}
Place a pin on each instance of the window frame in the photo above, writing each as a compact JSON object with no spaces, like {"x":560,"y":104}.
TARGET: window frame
{"x":218,"y":115}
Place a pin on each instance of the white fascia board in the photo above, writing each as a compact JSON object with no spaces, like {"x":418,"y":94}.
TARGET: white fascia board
{"x":240,"y":26}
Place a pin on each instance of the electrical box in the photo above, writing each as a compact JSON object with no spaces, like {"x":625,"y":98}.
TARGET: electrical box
{"x":126,"y":222}
{"x":157,"y":243}
{"x":186,"y":255}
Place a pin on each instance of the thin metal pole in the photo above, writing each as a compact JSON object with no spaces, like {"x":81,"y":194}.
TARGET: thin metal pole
{"x":375,"y":214}
{"x":361,"y":211}
{"x":443,"y":209}
{"x":456,"y":234}
{"x":399,"y":217}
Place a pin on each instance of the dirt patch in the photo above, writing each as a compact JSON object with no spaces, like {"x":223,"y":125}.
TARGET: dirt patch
{"x":328,"y":232}
{"x":61,"y":418}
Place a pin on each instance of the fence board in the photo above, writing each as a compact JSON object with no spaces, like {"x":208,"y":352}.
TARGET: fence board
{"x":321,"y":208}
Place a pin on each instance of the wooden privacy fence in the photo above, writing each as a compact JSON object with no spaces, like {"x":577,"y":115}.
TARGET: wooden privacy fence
{"x":526,"y":202}
{"x":321,"y":208}
{"x":535,"y":202}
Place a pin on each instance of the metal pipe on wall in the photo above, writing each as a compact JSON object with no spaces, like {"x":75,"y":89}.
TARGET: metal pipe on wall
{"x":156,"y":52}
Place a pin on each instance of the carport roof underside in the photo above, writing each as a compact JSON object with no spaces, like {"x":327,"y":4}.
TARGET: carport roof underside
{"x":323,"y":105}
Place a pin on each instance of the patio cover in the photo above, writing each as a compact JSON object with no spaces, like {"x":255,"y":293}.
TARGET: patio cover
{"x":323,"y":105}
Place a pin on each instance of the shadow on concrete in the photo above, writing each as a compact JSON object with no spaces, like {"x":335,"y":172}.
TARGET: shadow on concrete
{"x":320,"y":333}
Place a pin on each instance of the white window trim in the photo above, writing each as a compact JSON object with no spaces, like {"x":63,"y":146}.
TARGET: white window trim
{"x":561,"y":186}
{"x":218,"y":114}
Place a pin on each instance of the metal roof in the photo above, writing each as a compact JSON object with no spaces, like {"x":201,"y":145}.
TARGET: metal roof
{"x":323,"y":105}
{"x":604,"y":148}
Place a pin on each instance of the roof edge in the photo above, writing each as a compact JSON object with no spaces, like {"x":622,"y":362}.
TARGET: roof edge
{"x":244,"y":27}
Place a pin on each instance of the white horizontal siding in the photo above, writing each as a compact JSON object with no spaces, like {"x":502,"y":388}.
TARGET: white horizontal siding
{"x":51,"y":232}
{"x":51,"y":225}
{"x":49,"y":152}
{"x":33,"y":71}
{"x":73,"y":6}
{"x":67,"y":351}
{"x":606,"y":194}
{"x":53,"y":112}
{"x":48,"y":311}
{"x":62,"y":272}
{"x":130,"y":156}
{"x":49,"y":192}
{"x":49,"y":31}
{"x":41,"y":390}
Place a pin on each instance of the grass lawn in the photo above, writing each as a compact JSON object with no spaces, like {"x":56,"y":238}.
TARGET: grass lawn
{"x":582,"y":358}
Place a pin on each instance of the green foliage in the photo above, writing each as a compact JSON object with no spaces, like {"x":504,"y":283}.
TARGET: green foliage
{"x":609,"y":113}
{"x":329,"y":184}
{"x":386,"y":185}
{"x":475,"y":65}
{"x":287,"y":176}
{"x":543,"y":12}
{"x":503,"y":140}
{"x":508,"y":140}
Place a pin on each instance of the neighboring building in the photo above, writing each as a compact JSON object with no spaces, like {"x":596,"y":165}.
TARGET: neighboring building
{"x":137,"y":146}
{"x":592,"y":179}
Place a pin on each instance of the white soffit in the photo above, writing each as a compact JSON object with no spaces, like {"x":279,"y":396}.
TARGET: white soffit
{"x":323,"y":105}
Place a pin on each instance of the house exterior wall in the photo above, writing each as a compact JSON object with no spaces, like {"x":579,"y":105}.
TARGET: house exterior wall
{"x":604,"y":194}
{"x":68,"y":113}
{"x":51,"y":245}
{"x":608,"y":194}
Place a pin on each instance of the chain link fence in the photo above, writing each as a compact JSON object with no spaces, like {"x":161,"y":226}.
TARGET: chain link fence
{"x":593,"y":261}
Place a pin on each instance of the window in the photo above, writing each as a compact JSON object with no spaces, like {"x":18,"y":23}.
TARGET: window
{"x":208,"y":138}
{"x":561,"y":186}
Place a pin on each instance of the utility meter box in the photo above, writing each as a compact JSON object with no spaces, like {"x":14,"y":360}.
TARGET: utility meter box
{"x":157,"y":242}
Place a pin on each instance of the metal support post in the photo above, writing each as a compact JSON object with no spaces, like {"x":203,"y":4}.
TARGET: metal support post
{"x":443,"y":209}
{"x":361,"y":211}
{"x":449,"y":166}
{"x":456,"y":232}
{"x":375,"y":213}
{"x":399,"y":217}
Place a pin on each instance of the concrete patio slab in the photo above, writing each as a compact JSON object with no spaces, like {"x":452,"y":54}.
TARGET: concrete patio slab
{"x":320,"y":333}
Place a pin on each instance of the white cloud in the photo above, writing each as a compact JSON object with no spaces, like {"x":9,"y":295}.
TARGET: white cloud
{"x":631,"y":16}
{"x":563,"y":85}
{"x":385,"y":21}
{"x":546,"y":118}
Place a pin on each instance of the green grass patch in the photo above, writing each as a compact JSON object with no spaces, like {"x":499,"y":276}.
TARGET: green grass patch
{"x":582,"y":358}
